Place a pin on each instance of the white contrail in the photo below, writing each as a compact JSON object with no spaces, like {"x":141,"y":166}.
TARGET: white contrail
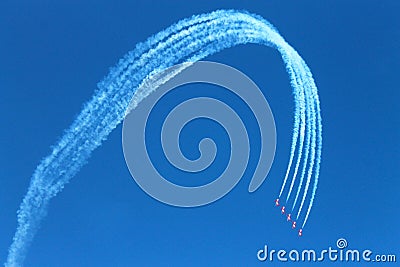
{"x":188,"y":40}
{"x":312,"y":147}
{"x":296,"y":127}
{"x":310,"y":115}
{"x":301,"y":143}
{"x":318,"y":133}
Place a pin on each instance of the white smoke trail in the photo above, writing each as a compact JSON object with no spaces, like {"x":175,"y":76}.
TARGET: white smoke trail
{"x":298,"y":132}
{"x":302,"y":101}
{"x":311,"y":102}
{"x":310,"y":114}
{"x":188,"y":40}
{"x":318,"y":128}
{"x":296,"y":127}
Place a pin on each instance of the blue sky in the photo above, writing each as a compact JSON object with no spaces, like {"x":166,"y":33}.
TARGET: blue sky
{"x":52,"y":56}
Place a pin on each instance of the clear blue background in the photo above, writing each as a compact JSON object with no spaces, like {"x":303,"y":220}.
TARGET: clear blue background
{"x":52,"y":56}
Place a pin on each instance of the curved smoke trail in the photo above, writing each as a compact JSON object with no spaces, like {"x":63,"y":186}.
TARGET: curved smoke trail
{"x":188,"y":40}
